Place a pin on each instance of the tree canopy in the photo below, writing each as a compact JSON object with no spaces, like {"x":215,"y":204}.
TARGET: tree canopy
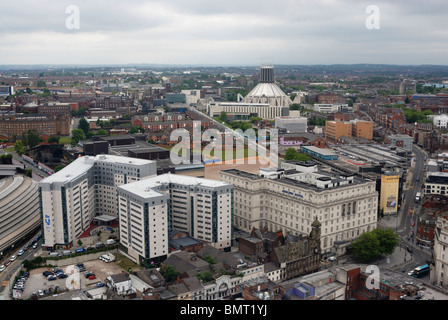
{"x":83,"y":125}
{"x":293,"y":154}
{"x":78,"y":135}
{"x":371,"y":245}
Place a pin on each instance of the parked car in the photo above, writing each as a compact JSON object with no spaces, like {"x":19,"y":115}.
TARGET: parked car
{"x":79,"y":250}
{"x":52,"y":277}
{"x":100,"y":284}
{"x":7,"y":263}
{"x":80,"y":267}
{"x":87,"y":274}
{"x":20,"y":252}
{"x":92,"y":277}
{"x":40,"y":292}
{"x":99,"y":245}
{"x":2,"y":268}
{"x":35,"y":246}
{"x":62,"y":276}
{"x":332,"y":258}
{"x":47,"y":273}
{"x":13,"y":258}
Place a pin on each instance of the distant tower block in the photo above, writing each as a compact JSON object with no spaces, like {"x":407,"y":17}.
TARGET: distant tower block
{"x":267,"y":74}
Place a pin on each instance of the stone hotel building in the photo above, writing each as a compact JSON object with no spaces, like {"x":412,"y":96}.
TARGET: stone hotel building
{"x":290,"y":200}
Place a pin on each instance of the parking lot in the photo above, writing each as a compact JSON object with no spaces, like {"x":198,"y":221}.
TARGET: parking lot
{"x":37,"y":281}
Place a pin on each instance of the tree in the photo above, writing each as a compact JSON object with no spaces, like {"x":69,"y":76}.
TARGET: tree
{"x":210,"y":259}
{"x":30,"y":139}
{"x":53,"y":139}
{"x":366,"y":247}
{"x":78,"y":135}
{"x":205,"y":276}
{"x":41,"y":84}
{"x":6,"y":158}
{"x":102,"y":132}
{"x":293,"y":154}
{"x":19,"y":148}
{"x":388,"y":240}
{"x":223,"y":117}
{"x":59,"y":168}
{"x":169,"y":273}
{"x":83,"y":125}
{"x":371,"y":245}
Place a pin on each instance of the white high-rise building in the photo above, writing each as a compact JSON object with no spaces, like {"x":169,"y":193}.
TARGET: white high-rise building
{"x":151,"y":208}
{"x":86,"y":188}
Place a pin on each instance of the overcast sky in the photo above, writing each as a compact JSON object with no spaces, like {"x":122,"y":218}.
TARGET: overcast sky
{"x":243,"y":32}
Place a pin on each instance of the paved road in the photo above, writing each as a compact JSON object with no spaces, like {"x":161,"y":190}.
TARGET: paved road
{"x":27,"y":165}
{"x":402,"y":223}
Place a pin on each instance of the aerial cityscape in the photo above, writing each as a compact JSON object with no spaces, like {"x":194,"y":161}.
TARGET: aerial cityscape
{"x":202,"y":152}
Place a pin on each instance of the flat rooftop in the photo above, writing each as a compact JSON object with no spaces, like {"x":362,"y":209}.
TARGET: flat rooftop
{"x":147,"y":187}
{"x":83,"y":164}
{"x":289,"y":179}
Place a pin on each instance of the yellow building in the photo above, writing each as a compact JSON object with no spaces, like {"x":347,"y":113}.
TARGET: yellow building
{"x":389,"y":193}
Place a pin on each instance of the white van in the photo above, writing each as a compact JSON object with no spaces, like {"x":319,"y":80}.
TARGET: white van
{"x":55,"y":254}
{"x":110,"y":241}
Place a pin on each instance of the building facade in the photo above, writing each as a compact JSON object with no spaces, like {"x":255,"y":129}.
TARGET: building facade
{"x":55,"y":125}
{"x":151,"y":208}
{"x":439,"y":260}
{"x":436,"y":183}
{"x":290,"y":201}
{"x":72,"y":197}
{"x":389,"y":193}
{"x":353,"y":128}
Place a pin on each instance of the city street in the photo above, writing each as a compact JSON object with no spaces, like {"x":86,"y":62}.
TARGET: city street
{"x":406,"y":215}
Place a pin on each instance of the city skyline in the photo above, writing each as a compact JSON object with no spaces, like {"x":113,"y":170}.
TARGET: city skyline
{"x":230,"y":33}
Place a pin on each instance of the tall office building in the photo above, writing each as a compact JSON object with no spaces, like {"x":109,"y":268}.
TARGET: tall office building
{"x":151,"y":208}
{"x":86,"y":188}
